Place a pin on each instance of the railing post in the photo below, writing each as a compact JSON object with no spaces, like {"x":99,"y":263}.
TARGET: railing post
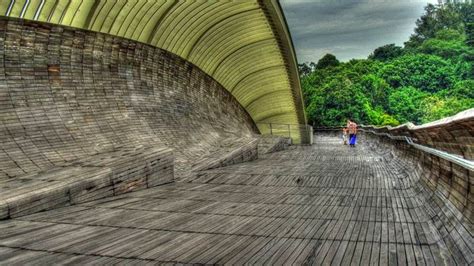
{"x":289,"y":131}
{"x":271,"y":131}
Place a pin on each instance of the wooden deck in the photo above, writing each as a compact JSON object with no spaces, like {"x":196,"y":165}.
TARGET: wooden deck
{"x":325,"y":204}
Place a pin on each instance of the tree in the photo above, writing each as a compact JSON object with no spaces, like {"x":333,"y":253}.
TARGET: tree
{"x":386,"y":52}
{"x":432,"y":77}
{"x":437,"y":107}
{"x":425,"y":27}
{"x":304,"y":69}
{"x":448,"y":43}
{"x":378,"y":116}
{"x":436,"y":18}
{"x":376,"y":90}
{"x":426,"y":72}
{"x":466,"y":11}
{"x":336,"y":102}
{"x":406,"y":104}
{"x":328,"y":60}
{"x":462,"y":89}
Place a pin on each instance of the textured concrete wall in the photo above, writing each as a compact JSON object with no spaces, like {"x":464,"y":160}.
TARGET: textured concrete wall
{"x":66,"y":94}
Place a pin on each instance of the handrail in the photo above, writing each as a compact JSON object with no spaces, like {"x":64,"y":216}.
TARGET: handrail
{"x":468,"y":164}
{"x":279,"y":129}
{"x":282,"y":124}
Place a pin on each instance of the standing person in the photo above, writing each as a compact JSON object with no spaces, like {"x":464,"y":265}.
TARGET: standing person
{"x":352,"y":133}
{"x":348,"y":125}
{"x":344,"y":136}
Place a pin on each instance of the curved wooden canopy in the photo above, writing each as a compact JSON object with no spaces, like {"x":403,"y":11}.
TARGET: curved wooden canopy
{"x":243,"y":44}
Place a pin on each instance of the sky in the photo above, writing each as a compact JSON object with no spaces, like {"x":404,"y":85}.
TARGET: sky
{"x":349,"y":28}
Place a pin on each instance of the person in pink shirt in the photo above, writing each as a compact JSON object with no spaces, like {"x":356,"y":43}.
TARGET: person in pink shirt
{"x":352,"y":128}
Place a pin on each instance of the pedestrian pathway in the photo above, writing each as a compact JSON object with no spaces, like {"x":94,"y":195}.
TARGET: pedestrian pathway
{"x":320,"y":204}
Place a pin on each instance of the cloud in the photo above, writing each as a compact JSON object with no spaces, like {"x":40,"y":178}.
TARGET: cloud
{"x":349,"y":28}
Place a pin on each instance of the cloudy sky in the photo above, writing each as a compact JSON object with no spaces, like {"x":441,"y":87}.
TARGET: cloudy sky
{"x":349,"y":28}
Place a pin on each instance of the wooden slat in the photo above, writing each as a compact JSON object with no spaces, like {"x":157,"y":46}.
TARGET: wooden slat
{"x":254,"y":212}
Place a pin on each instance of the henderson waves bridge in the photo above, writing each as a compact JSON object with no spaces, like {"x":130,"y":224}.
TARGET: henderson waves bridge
{"x":146,"y":132}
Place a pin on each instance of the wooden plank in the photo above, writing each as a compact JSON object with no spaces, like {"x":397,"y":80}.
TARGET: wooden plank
{"x":249,"y":251}
{"x":256,"y":213}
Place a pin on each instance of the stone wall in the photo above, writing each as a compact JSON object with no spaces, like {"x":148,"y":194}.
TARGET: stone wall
{"x":67,"y":94}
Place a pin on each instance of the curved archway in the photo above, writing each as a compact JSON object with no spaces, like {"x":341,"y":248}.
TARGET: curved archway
{"x":228,"y":40}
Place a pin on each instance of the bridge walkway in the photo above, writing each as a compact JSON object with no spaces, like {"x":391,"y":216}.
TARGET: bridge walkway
{"x":320,"y":204}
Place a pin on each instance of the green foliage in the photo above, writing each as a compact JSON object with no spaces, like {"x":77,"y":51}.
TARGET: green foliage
{"x":430,"y":78}
{"x":304,"y":69}
{"x":377,"y":116}
{"x":462,"y":89}
{"x":434,"y":20}
{"x":386,"y":52}
{"x":427,"y":72}
{"x":449,"y":44}
{"x":333,"y":103}
{"x":437,"y":107}
{"x":328,"y":60}
{"x":406,"y":104}
{"x":375,"y":89}
{"x":467,"y":15}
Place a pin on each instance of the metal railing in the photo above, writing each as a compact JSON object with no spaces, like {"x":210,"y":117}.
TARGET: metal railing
{"x":468,"y":164}
{"x":456,"y":159}
{"x":299,"y":134}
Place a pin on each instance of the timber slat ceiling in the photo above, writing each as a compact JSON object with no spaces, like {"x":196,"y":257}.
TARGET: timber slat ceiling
{"x":243,"y":44}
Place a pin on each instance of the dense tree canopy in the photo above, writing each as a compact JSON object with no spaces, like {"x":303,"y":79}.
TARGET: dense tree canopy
{"x":328,"y":60}
{"x":386,"y":52}
{"x":430,"y":78}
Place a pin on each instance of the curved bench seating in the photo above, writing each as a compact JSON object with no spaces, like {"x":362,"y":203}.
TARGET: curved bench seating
{"x":85,"y":115}
{"x":98,"y":176}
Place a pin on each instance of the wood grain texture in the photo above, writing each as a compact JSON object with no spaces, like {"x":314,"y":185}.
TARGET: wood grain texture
{"x":320,"y":204}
